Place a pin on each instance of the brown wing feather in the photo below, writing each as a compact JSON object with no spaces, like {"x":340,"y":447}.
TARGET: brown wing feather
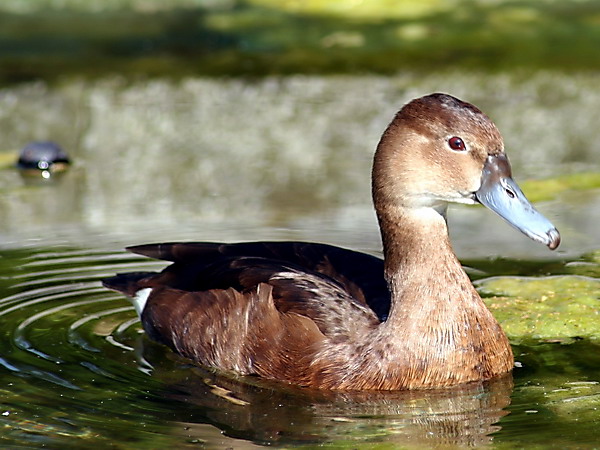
{"x":359,"y":274}
{"x":233,"y":331}
{"x":294,"y":290}
{"x":264,"y":308}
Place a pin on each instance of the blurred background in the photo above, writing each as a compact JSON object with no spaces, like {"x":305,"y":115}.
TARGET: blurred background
{"x":156,"y":120}
{"x":191,"y":117}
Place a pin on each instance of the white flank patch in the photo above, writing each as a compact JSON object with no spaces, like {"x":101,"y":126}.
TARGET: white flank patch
{"x":140,"y":299}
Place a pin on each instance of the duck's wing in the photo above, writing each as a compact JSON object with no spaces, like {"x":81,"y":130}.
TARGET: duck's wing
{"x":249,"y":307}
{"x":232,"y":330}
{"x":358,"y":275}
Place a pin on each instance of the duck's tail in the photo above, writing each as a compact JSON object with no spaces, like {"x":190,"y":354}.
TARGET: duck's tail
{"x":127,"y":283}
{"x":131,"y":284}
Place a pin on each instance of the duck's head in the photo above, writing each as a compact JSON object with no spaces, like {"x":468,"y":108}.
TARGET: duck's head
{"x":439,"y":149}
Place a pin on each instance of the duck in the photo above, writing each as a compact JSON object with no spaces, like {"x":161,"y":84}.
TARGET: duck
{"x":326,"y":317}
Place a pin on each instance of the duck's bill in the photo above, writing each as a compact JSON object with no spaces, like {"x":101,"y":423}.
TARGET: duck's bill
{"x":502,"y":195}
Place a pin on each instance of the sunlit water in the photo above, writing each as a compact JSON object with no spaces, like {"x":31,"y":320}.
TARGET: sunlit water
{"x":277,"y":159}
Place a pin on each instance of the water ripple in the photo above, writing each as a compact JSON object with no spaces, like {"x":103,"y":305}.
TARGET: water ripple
{"x":77,"y":370}
{"x":59,"y":314}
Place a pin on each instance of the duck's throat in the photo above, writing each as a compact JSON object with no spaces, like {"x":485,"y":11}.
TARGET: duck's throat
{"x":416,"y":246}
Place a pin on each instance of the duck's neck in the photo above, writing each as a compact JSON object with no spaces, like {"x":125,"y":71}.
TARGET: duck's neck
{"x":420,"y":265}
{"x":437,"y":318}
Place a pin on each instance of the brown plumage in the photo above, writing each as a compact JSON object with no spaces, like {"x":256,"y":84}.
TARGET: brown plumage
{"x":327,"y":317}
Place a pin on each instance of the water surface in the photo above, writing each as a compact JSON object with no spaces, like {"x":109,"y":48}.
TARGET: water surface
{"x":78,"y":371}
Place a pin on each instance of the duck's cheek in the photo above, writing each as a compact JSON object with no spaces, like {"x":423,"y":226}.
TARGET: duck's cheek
{"x":472,"y":177}
{"x":463,"y":190}
{"x":471,"y":189}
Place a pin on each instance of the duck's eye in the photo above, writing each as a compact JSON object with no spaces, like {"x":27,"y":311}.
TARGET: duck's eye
{"x":456,"y":143}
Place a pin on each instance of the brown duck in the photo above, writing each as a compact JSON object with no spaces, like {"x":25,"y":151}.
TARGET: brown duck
{"x":331,"y":318}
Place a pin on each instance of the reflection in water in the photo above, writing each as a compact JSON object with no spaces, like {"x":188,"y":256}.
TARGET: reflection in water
{"x":463,"y":416}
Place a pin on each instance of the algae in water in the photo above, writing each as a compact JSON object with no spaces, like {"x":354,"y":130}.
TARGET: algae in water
{"x":556,"y":308}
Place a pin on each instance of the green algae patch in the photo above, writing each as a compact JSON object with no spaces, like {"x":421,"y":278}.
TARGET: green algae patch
{"x":548,"y":189}
{"x":575,"y":398}
{"x":551,"y":309}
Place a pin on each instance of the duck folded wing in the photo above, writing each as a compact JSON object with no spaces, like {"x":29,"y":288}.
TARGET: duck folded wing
{"x":251,"y":314}
{"x":330,"y":304}
{"x":224,"y":328}
{"x":358,"y":274}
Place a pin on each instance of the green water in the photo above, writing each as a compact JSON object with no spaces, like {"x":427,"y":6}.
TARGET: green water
{"x":77,"y":371}
{"x":163,"y":152}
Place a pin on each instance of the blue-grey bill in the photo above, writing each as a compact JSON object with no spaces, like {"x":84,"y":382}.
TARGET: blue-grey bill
{"x":502,"y":195}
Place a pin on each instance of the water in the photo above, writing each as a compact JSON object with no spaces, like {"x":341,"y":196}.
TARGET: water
{"x":77,"y":371}
{"x":207,"y":154}
{"x":281,"y":158}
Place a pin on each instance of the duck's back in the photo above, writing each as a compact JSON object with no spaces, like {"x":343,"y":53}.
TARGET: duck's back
{"x":260,"y":308}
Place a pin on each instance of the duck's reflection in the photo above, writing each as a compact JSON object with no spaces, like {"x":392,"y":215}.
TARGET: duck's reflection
{"x":266,"y":412}
{"x":465,"y":415}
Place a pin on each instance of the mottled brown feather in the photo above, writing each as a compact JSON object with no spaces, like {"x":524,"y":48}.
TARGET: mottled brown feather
{"x":240,"y":332}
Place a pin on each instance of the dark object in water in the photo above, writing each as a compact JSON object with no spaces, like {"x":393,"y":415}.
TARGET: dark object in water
{"x":45,"y":156}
